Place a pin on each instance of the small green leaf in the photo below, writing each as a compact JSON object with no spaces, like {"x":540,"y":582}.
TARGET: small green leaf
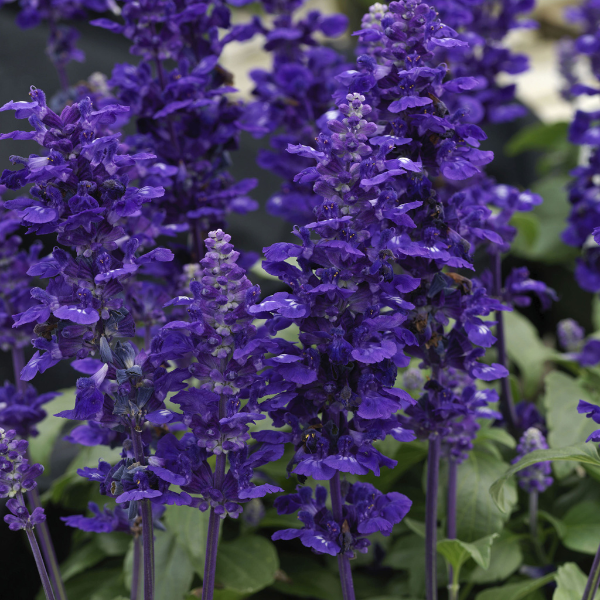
{"x":506,"y":558}
{"x":540,"y":136}
{"x":477,"y":516}
{"x":96,"y":584}
{"x":565,"y":426}
{"x":515,"y":591}
{"x":495,"y":434}
{"x":457,"y":553}
{"x":583,"y":453}
{"x":41,"y":446}
{"x":113,"y":544}
{"x":190,"y":528}
{"x":582,"y":527}
{"x":175,"y":572}
{"x":558,"y":525}
{"x":81,"y":560}
{"x":526,"y":350}
{"x":570,"y":583}
{"x":305,"y":577}
{"x":247,"y":564}
{"x":417,"y":527}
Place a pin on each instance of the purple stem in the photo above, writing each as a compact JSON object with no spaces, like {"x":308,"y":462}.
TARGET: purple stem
{"x":592,"y":582}
{"x":452,"y":472}
{"x":135,"y":575}
{"x":507,"y":405}
{"x":343,"y":561}
{"x":214,"y":522}
{"x":34,"y":498}
{"x":433,"y":467}
{"x":147,"y":522}
{"x":39,"y":561}
{"x":451,"y":516}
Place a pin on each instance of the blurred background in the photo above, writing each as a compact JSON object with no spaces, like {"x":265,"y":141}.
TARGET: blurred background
{"x":530,"y":153}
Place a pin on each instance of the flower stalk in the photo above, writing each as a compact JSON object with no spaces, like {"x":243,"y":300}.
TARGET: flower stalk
{"x":593,"y":579}
{"x":343,"y":560}
{"x":507,"y":405}
{"x":453,"y":586}
{"x":45,"y":540}
{"x":39,"y":561}
{"x":214,"y":521}
{"x":147,"y":522}
{"x":433,"y":466}
{"x":135,"y":575}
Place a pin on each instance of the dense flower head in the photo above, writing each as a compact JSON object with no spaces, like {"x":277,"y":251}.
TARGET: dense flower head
{"x":454,"y":413}
{"x":18,"y":475}
{"x":583,"y":230}
{"x":570,"y":334}
{"x":365,"y":511}
{"x":15,"y":284}
{"x":484,"y":25}
{"x":79,"y":192}
{"x":536,"y":477}
{"x":219,"y":350}
{"x":184,"y":113}
{"x":292,"y":97}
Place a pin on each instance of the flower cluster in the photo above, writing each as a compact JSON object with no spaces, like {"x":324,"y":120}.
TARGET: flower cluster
{"x":184,"y":114}
{"x":365,"y":511}
{"x":536,"y":477}
{"x":17,"y":476}
{"x":484,"y":25}
{"x":217,"y":348}
{"x":292,"y":98}
{"x":79,"y":192}
{"x":583,"y":230}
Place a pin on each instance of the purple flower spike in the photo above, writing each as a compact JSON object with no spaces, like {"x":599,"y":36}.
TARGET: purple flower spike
{"x":537,"y":477}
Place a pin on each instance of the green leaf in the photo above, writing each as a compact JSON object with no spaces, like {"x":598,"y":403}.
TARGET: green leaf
{"x":96,"y":584}
{"x":41,"y":446}
{"x":305,"y":577}
{"x":81,"y":560}
{"x":417,"y":527}
{"x":113,"y":544}
{"x":582,"y":453}
{"x":457,"y":552}
{"x":190,"y":528}
{"x":526,"y":350}
{"x":582,"y":527}
{"x":565,"y":426}
{"x":515,"y":591}
{"x":505,"y":560}
{"x":558,"y":525}
{"x":495,"y":434}
{"x":408,"y":554}
{"x":542,"y":241}
{"x":175,"y":572}
{"x":537,"y":137}
{"x":247,"y":564}
{"x":570,"y":583}
{"x":477,"y":516}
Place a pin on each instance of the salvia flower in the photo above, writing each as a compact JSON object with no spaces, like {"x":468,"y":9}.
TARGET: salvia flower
{"x":17,"y":476}
{"x":291,"y":99}
{"x":365,"y":511}
{"x":79,"y":192}
{"x":179,"y":99}
{"x":536,"y":477}
{"x":217,"y":347}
